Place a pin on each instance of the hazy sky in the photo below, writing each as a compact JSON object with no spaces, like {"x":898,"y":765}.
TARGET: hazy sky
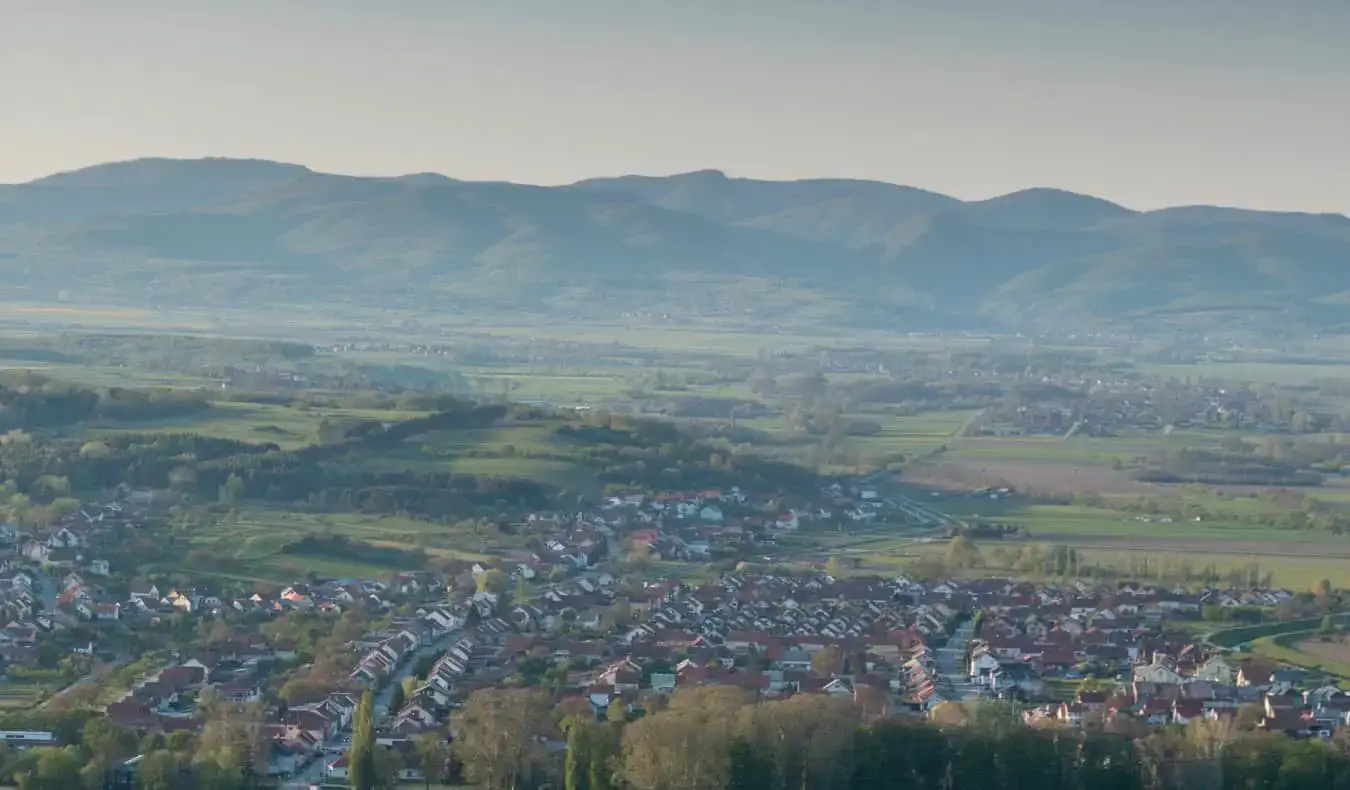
{"x":1147,"y":102}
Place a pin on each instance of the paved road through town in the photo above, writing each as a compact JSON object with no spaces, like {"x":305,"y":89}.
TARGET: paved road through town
{"x":951,"y":666}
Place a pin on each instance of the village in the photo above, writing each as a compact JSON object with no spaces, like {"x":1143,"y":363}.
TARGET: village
{"x":593,"y":617}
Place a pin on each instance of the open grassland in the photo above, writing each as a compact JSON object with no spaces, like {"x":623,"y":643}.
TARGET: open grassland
{"x":258,"y":423}
{"x":249,"y":547}
{"x":1061,"y":523}
{"x":527,"y":450}
{"x":1296,"y":572}
{"x":1056,"y":464}
{"x":909,"y":436}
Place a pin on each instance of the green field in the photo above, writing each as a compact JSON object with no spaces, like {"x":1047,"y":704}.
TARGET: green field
{"x":20,"y":696}
{"x":1072,"y":520}
{"x":528,"y":450}
{"x":1284,"y":648}
{"x":257,"y":423}
{"x":249,"y":547}
{"x":914,"y":435}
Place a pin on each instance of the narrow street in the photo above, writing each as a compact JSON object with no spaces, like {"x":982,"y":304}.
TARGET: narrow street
{"x":953,"y":674}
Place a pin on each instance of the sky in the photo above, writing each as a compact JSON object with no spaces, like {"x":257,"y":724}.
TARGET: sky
{"x":1145,"y":102}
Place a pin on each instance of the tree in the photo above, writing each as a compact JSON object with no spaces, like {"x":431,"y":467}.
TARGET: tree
{"x":234,"y":744}
{"x":232,"y":491}
{"x":699,"y":721}
{"x":361,"y":758}
{"x":387,"y":765}
{"x":873,"y":704}
{"x":962,"y":553}
{"x":107,"y":743}
{"x":95,"y":449}
{"x":1089,"y":684}
{"x":433,"y":752}
{"x":397,"y":698}
{"x":62,"y":507}
{"x":220,"y":633}
{"x":804,"y":740}
{"x":639,"y":557}
{"x":159,"y":770}
{"x":575,"y":761}
{"x":58,"y":769}
{"x":329,"y":431}
{"x":829,"y":662}
{"x":492,"y":581}
{"x":499,"y":736}
{"x":180,"y":742}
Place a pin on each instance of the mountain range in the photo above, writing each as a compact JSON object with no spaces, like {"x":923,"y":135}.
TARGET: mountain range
{"x":222,"y":233}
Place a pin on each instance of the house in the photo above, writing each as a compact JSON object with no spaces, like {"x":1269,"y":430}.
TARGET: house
{"x":982,"y":662}
{"x":337,"y":769}
{"x":413,"y":718}
{"x":1159,"y":671}
{"x":1216,"y":670}
{"x":1253,"y":672}
{"x":238,"y":695}
{"x":144,"y":590}
{"x":65,"y":539}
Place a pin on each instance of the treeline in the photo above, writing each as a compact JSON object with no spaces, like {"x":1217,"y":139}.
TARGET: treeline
{"x":343,"y":548}
{"x":1068,"y":562}
{"x":230,"y":753}
{"x":1276,"y":507}
{"x":1213,"y":468}
{"x":717,"y":738}
{"x":159,"y":351}
{"x":29,"y":401}
{"x":314,"y":474}
{"x":656,"y":455}
{"x":204,"y":467}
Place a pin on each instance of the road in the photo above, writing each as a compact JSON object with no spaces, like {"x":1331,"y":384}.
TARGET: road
{"x":313,"y":774}
{"x":48,"y":589}
{"x":953,"y":674}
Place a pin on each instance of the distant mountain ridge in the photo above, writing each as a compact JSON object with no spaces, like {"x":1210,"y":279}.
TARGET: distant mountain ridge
{"x":222,"y":232}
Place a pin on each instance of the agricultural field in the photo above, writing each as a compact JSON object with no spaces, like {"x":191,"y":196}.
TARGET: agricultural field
{"x":1048,"y":463}
{"x":20,"y":695}
{"x":918,"y":434}
{"x":1309,"y":649}
{"x":1334,"y":651}
{"x":1062,"y":523}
